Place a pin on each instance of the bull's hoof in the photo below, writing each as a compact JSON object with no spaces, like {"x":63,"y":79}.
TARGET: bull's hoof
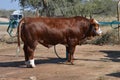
{"x":30,"y":66}
{"x":69,"y":63}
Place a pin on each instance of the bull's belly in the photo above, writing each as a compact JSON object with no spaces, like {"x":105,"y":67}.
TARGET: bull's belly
{"x":49,"y":44}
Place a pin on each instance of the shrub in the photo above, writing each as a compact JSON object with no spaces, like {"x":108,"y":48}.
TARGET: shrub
{"x":110,"y":37}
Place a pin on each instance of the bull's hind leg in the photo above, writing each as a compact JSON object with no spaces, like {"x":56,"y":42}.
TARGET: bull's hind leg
{"x":29,"y":55}
{"x":25,"y":52}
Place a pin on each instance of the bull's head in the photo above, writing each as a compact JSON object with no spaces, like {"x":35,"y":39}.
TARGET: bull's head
{"x":95,"y":29}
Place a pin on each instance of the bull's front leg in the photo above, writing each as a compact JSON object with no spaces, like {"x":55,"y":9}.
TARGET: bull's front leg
{"x":70,"y":54}
{"x":29,"y":56}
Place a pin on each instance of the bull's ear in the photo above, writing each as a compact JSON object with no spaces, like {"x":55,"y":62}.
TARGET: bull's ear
{"x":91,"y":21}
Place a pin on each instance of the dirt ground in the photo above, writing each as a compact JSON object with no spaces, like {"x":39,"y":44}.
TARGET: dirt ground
{"x":92,"y":62}
{"x":4,"y":19}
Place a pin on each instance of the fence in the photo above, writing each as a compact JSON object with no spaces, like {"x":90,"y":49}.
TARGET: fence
{"x":4,"y":23}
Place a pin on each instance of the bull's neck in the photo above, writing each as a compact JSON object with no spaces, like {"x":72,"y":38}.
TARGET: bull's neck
{"x":87,"y":32}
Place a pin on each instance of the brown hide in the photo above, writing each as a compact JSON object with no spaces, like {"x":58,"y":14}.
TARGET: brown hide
{"x":52,"y":31}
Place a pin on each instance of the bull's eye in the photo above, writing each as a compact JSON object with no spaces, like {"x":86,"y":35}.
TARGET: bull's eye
{"x":96,"y":27}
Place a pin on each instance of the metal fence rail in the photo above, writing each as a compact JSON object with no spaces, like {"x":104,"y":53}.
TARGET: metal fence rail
{"x":109,"y":23}
{"x":4,"y":23}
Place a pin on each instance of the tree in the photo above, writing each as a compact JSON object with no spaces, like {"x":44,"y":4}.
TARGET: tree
{"x":33,"y":4}
{"x":71,"y":7}
{"x":105,"y":7}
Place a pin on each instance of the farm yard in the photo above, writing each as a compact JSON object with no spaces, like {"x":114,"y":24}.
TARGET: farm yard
{"x":92,"y":62}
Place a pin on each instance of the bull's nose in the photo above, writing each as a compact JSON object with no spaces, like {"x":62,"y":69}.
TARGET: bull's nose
{"x":99,"y":31}
{"x":100,"y":34}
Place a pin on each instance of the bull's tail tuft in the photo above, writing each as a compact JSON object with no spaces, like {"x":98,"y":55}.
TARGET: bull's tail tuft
{"x":17,"y":51}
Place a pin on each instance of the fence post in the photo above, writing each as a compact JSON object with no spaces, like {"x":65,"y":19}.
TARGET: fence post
{"x":118,"y":5}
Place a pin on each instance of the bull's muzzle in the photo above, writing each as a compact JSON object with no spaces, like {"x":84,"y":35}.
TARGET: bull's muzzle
{"x":99,"y":32}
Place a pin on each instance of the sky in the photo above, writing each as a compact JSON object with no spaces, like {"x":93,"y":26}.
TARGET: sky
{"x":8,"y":5}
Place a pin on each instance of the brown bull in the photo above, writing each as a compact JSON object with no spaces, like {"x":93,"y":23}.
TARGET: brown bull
{"x":52,"y":31}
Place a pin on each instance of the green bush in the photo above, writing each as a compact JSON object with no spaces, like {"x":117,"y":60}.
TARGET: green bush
{"x":110,"y":37}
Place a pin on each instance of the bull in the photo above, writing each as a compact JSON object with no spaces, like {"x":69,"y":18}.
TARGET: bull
{"x":52,"y":31}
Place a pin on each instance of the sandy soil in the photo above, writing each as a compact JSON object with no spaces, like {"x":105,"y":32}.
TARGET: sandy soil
{"x":4,"y":20}
{"x":92,"y":62}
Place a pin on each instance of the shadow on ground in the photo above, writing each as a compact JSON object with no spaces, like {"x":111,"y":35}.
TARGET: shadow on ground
{"x":117,"y":74}
{"x":112,"y":55}
{"x":38,"y":61}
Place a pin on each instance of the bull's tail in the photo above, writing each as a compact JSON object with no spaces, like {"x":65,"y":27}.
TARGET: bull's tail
{"x":19,"y":34}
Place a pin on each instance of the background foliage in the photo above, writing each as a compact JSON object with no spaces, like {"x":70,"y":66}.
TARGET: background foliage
{"x":71,"y":7}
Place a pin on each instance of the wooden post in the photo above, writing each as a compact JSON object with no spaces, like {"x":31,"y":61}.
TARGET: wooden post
{"x":37,"y":12}
{"x":118,"y":5}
